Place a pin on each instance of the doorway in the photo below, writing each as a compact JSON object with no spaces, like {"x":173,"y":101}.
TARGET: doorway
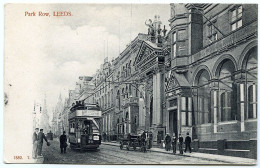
{"x":173,"y":127}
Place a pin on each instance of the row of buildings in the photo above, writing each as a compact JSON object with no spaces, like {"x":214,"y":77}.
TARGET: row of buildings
{"x":41,"y":117}
{"x":199,"y":77}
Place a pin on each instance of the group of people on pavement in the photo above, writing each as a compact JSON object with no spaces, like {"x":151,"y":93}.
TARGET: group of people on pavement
{"x":173,"y":142}
{"x":38,"y":137}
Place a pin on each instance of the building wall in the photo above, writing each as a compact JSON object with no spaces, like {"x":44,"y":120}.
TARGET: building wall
{"x":219,"y":69}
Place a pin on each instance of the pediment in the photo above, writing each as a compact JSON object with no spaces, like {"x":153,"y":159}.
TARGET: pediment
{"x":172,"y":83}
{"x":144,"y":51}
{"x":175,"y":81}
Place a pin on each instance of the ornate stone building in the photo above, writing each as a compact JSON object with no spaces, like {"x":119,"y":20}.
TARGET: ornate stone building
{"x":200,"y":78}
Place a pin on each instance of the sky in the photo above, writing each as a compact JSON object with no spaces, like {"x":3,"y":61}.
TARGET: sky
{"x":46,"y":55}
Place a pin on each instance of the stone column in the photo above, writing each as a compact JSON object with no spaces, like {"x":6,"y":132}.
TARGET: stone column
{"x":179,"y":114}
{"x":190,"y":111}
{"x":157,"y":98}
{"x":129,"y":115}
{"x":242,"y":106}
{"x":154,"y":99}
{"x":215,"y":106}
{"x":254,"y":100}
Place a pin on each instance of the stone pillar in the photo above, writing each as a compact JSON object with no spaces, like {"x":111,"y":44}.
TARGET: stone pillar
{"x":179,"y":114}
{"x":215,"y":105}
{"x":190,"y":111}
{"x":157,"y":99}
{"x":242,"y":106}
{"x":154,"y":99}
{"x":254,"y":100}
{"x":129,"y":115}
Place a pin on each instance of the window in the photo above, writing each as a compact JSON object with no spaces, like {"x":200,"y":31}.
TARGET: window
{"x":135,"y":119}
{"x":202,"y":104}
{"x":227,"y":92}
{"x":174,"y":38}
{"x":212,"y":32}
{"x":236,"y":18}
{"x":251,"y":76}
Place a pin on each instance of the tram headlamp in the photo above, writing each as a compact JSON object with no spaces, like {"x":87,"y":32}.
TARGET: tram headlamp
{"x":78,"y":140}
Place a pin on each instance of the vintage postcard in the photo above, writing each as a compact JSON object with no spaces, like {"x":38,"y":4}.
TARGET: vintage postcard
{"x":172,"y":84}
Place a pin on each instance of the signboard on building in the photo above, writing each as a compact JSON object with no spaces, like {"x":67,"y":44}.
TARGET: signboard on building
{"x":89,"y":113}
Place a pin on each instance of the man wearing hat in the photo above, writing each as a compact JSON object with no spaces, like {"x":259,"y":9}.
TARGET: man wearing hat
{"x":35,"y":143}
{"x":174,"y":142}
{"x":41,"y":136}
{"x":167,"y":142}
{"x":187,"y":143}
{"x":63,"y":142}
{"x":180,"y":143}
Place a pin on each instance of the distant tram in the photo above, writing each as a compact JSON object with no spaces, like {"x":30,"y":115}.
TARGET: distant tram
{"x":84,"y":126}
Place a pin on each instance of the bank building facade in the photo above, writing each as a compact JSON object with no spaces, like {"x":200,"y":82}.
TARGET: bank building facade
{"x":199,"y":77}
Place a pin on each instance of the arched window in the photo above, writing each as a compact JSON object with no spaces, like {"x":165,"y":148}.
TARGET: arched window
{"x":129,"y":68}
{"x":108,"y":99}
{"x":202,"y":99}
{"x":118,"y":99}
{"x":111,"y":99}
{"x":102,"y":102}
{"x":135,"y":120}
{"x":251,"y":82}
{"x":126,"y":116}
{"x":123,"y":93}
{"x":151,"y":112}
{"x":227,"y":91}
{"x":126,"y":92}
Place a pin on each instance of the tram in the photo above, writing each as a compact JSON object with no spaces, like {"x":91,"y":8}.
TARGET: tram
{"x":84,"y":126}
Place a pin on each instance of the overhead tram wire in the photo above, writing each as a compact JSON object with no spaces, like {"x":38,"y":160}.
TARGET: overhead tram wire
{"x":131,"y":82}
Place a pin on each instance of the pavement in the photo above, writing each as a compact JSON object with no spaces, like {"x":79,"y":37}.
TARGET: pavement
{"x":39,"y":160}
{"x":221,"y":158}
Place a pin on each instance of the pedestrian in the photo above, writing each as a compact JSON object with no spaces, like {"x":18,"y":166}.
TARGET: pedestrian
{"x":63,"y":142}
{"x":41,"y":136}
{"x":174,"y":142}
{"x":180,"y":143}
{"x":35,"y":143}
{"x":167,"y":142}
{"x":187,"y":143}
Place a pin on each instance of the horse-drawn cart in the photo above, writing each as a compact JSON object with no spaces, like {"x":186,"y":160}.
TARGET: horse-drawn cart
{"x":133,"y":141}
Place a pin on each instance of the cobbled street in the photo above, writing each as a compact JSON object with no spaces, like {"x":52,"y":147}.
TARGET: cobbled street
{"x":107,"y":154}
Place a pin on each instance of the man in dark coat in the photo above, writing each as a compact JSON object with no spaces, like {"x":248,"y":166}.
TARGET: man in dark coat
{"x":35,"y":143}
{"x":41,"y":136}
{"x":63,"y":142}
{"x":180,"y":143}
{"x":174,"y":142}
{"x":187,"y":143}
{"x":167,"y":142}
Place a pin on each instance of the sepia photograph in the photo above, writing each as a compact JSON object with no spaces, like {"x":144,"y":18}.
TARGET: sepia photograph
{"x":130,"y":83}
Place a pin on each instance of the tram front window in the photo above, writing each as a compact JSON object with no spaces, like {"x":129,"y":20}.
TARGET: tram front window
{"x":87,"y":127}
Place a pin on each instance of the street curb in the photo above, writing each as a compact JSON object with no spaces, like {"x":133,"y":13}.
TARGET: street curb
{"x":218,"y":160}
